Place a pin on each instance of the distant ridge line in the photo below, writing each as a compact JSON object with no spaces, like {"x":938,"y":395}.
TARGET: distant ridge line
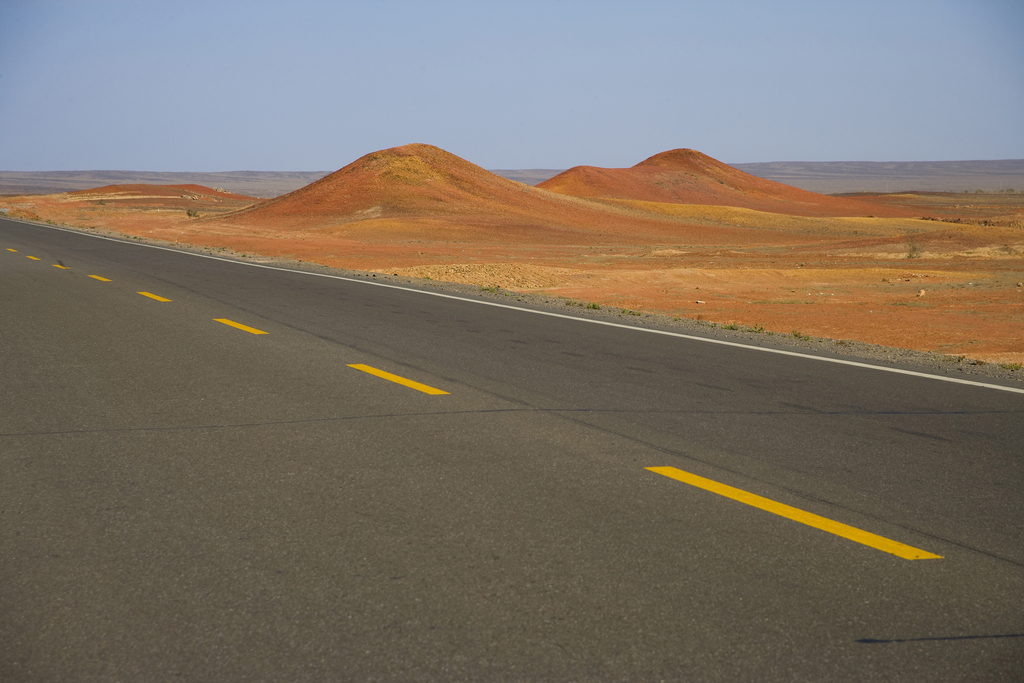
{"x":263,"y":184}
{"x":832,"y":177}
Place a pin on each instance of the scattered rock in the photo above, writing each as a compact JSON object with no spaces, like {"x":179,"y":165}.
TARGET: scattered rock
{"x":920,"y":293}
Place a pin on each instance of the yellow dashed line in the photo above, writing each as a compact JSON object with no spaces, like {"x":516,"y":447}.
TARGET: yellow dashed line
{"x":232,"y":323}
{"x":810,"y":519}
{"x":399,"y":380}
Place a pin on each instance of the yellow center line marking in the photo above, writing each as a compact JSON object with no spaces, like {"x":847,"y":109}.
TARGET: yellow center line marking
{"x":240,"y":326}
{"x":14,"y":250}
{"x":399,"y":380}
{"x":32,"y":257}
{"x":153,"y":296}
{"x":57,"y":265}
{"x":101,"y":279}
{"x":810,"y":519}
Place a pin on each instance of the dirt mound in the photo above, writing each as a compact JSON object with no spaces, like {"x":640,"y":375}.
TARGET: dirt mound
{"x":403,"y":182}
{"x":686,"y":176}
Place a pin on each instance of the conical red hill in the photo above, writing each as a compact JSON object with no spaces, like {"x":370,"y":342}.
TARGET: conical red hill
{"x":686,"y":176}
{"x":412,"y":181}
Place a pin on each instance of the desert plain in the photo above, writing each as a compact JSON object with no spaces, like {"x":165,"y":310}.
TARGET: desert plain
{"x":679,"y":234}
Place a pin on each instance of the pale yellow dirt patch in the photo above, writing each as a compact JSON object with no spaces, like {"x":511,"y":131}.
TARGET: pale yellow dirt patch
{"x":666,"y":252}
{"x":504,"y":275}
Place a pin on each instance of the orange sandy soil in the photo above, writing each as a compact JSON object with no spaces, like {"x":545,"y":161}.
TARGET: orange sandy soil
{"x":888,"y":279}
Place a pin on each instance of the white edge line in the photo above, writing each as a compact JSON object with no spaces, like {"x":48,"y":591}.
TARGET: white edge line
{"x":722,"y":342}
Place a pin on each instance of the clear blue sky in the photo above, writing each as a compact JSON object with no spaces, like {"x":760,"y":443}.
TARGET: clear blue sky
{"x":276,"y":86}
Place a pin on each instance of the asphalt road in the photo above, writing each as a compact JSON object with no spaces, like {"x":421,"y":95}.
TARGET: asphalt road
{"x":183,"y":499}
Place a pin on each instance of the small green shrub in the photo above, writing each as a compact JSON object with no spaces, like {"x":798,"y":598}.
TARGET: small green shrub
{"x":594,"y":306}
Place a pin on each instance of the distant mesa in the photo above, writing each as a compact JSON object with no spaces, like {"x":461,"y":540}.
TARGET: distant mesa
{"x":686,"y":176}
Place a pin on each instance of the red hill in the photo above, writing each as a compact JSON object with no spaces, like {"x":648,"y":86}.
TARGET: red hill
{"x":422,"y":190}
{"x":685,"y":176}
{"x":412,"y":181}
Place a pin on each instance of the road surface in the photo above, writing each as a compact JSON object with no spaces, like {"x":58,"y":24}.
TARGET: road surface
{"x":217,"y":471}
